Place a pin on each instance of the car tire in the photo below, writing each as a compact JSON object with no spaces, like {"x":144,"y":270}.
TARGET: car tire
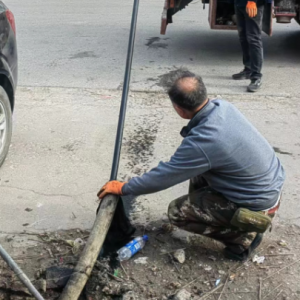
{"x":5,"y":125}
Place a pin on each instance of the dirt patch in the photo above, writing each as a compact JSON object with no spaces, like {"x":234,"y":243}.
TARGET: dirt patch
{"x":155,"y":43}
{"x":140,"y":148}
{"x":85,"y":54}
{"x":158,"y":275}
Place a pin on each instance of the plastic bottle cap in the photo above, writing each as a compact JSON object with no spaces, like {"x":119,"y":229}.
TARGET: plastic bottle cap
{"x":145,"y":237}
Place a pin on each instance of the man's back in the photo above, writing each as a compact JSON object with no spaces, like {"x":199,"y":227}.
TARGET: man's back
{"x":243,"y":165}
{"x":221,"y":145}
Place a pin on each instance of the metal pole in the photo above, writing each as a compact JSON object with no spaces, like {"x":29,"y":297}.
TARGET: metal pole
{"x":108,"y":206}
{"x":23,"y":278}
{"x":118,"y":143}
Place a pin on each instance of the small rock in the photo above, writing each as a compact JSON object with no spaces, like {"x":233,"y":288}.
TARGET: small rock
{"x":141,"y":260}
{"x":112,"y":289}
{"x":282,"y":243}
{"x":258,"y":259}
{"x":43,"y":285}
{"x":130,"y":296}
{"x":221,"y":272}
{"x":174,"y":285}
{"x":183,"y":295}
{"x":212,"y":258}
{"x":179,"y":256}
{"x":154,"y":269}
{"x":208,"y":268}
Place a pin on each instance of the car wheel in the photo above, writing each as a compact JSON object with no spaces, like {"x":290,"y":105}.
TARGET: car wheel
{"x":5,"y":125}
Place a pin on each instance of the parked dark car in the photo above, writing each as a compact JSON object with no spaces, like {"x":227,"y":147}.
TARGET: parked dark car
{"x":8,"y":77}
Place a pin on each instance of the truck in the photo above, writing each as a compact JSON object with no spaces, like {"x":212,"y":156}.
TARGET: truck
{"x":221,"y":13}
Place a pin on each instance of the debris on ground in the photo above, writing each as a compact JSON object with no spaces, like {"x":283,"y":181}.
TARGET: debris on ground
{"x":258,"y":259}
{"x":217,"y":282}
{"x":183,"y":295}
{"x":211,"y":257}
{"x":160,"y":274}
{"x":208,"y":268}
{"x":130,"y":296}
{"x":282,"y":243}
{"x":141,"y":260}
{"x":75,"y":244}
{"x":179,"y":255}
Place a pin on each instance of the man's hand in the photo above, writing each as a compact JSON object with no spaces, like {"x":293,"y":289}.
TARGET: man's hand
{"x":251,"y":9}
{"x":111,"y":187}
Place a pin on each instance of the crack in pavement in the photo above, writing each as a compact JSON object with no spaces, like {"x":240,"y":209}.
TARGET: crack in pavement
{"x":44,"y":194}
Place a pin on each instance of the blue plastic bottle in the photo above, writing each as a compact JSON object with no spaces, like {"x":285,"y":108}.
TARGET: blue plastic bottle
{"x":132,"y":248}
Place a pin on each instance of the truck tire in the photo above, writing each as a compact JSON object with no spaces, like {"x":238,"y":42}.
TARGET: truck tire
{"x":5,"y":125}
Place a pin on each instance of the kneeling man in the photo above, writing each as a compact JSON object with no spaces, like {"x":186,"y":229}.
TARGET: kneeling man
{"x":233,"y":171}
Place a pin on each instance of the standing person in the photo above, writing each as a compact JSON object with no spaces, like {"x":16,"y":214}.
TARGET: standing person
{"x":249,"y":15}
{"x":230,"y":166}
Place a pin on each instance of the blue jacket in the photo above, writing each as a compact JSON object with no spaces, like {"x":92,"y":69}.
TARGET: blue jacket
{"x":227,"y":150}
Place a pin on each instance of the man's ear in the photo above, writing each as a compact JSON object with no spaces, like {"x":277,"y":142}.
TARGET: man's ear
{"x":181,"y":112}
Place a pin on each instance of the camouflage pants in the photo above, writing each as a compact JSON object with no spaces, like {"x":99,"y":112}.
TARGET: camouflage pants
{"x":206,"y":212}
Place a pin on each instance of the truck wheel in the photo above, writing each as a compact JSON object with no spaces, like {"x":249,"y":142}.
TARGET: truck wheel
{"x":5,"y":125}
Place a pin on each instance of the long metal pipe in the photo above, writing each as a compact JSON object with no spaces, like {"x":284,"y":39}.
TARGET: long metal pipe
{"x":119,"y":136}
{"x":108,"y":205}
{"x":21,"y":275}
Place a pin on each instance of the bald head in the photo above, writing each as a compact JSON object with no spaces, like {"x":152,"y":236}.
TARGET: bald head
{"x":187,"y":90}
{"x":187,"y":84}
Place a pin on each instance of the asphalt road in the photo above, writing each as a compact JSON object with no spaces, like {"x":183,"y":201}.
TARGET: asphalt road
{"x":72,"y":57}
{"x":83,"y":44}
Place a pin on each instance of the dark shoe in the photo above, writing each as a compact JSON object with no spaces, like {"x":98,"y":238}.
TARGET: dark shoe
{"x":245,"y":74}
{"x":244,"y":255}
{"x":254,"y":86}
{"x":234,"y":256}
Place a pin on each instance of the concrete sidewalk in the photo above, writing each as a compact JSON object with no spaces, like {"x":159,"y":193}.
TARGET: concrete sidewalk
{"x":63,"y":144}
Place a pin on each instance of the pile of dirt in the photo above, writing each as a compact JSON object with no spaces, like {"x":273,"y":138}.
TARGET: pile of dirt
{"x":197,"y":271}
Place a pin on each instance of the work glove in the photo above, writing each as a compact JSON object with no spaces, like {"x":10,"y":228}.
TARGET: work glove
{"x":251,"y":9}
{"x":111,"y":187}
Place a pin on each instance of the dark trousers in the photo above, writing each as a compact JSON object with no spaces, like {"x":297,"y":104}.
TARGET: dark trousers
{"x":249,"y":30}
{"x":206,"y":212}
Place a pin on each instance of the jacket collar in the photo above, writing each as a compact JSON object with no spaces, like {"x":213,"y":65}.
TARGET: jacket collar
{"x":196,"y":119}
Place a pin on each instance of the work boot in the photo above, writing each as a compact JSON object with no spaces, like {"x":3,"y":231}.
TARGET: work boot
{"x":254,"y":86}
{"x":245,"y":74}
{"x":246,"y":254}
